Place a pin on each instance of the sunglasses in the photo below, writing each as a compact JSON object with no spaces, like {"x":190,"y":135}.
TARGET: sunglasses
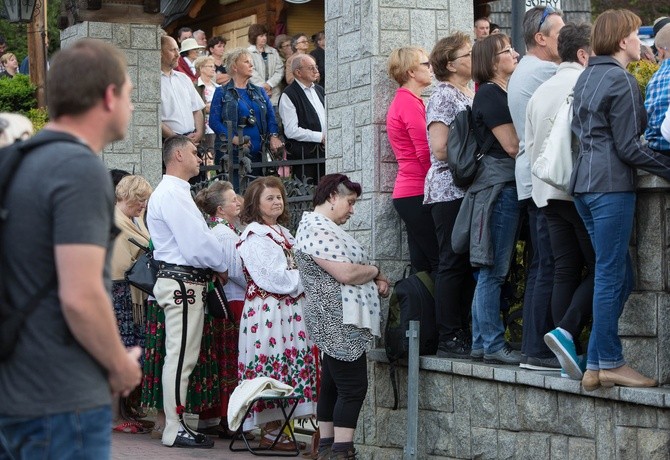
{"x":545,"y":14}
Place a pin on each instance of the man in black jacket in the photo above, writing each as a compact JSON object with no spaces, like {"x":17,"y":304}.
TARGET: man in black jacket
{"x":302,"y":110}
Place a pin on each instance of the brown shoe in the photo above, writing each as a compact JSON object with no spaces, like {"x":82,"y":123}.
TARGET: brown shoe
{"x":625,"y":376}
{"x":283,"y":444}
{"x":590,"y":381}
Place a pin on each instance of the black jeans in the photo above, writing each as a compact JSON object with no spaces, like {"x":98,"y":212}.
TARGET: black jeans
{"x":343,"y":388}
{"x":537,"y":318}
{"x":421,"y":238}
{"x":572,"y":297}
{"x":454,"y":283}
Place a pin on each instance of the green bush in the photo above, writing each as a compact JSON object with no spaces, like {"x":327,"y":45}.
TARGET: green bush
{"x":38,"y":117}
{"x":17,"y":94}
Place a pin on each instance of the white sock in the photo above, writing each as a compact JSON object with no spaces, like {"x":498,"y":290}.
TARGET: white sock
{"x":565,"y":333}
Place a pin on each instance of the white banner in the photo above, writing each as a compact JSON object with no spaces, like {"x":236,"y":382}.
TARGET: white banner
{"x":531,"y":3}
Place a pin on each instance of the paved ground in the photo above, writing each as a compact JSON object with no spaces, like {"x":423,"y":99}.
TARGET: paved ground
{"x":141,"y":446}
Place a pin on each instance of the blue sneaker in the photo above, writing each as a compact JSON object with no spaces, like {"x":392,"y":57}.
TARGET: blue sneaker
{"x":564,"y":349}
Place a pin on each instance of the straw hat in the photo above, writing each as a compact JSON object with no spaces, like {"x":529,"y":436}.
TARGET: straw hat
{"x":190,"y":44}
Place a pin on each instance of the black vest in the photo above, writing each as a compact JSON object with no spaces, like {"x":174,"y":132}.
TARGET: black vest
{"x":307,"y":118}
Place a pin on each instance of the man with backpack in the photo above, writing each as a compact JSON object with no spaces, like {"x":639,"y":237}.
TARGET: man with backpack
{"x":59,"y":227}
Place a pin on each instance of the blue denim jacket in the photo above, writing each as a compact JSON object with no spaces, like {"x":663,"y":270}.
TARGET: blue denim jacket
{"x":228,"y":105}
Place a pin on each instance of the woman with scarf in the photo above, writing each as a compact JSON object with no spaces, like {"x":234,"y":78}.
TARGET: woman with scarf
{"x":342,"y":312}
{"x":132,"y":194}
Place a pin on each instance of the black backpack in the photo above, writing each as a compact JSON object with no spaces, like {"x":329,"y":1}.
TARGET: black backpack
{"x":412,"y":299}
{"x":12,"y":318}
{"x":463,"y":152}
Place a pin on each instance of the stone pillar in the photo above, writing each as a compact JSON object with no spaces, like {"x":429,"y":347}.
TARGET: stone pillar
{"x":361,"y":34}
{"x":140,"y":151}
{"x":645,"y":323}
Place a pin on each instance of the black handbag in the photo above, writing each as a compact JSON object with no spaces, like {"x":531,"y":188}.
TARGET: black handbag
{"x":217,"y":303}
{"x":144,"y":272}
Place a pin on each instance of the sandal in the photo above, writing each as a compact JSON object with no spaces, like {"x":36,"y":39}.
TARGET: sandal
{"x":130,"y":427}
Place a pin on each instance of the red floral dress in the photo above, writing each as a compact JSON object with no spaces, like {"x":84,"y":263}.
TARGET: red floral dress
{"x":273,"y":339}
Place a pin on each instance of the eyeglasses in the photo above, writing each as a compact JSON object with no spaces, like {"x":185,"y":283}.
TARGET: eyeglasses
{"x":462,"y":56}
{"x":427,"y":63}
{"x":313,"y":68}
{"x":547,"y":11}
{"x":300,"y":42}
{"x":286,"y":45}
{"x":509,"y":50}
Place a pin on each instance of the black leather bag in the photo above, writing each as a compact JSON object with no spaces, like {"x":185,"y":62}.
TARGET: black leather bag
{"x":217,"y":303}
{"x":144,"y":272}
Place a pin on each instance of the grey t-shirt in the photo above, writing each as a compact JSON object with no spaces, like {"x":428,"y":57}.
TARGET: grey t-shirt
{"x":529,"y":74}
{"x":61,"y":194}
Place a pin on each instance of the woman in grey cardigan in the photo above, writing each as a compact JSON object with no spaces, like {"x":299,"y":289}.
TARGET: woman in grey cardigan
{"x":609,"y":118}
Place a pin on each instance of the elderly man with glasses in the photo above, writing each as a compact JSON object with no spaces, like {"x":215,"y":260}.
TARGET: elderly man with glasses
{"x":541,"y":26}
{"x":302,"y":111}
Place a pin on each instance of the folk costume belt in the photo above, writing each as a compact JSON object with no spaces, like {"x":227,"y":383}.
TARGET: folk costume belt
{"x":184,"y":273}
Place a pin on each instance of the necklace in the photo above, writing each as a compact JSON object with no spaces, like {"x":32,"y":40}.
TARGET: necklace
{"x":280,"y":233}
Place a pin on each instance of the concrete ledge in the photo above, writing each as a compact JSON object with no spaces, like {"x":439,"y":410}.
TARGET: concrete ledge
{"x":654,"y":397}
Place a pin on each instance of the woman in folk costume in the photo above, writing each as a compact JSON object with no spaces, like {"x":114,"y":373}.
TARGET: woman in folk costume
{"x":273,"y":340}
{"x":132,"y":194}
{"x":222,"y":207}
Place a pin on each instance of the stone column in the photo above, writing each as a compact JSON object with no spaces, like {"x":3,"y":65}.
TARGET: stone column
{"x":140,"y":151}
{"x":361,"y":34}
{"x":645,"y":323}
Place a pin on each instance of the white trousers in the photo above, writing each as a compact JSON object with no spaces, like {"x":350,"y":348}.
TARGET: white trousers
{"x":184,"y":317}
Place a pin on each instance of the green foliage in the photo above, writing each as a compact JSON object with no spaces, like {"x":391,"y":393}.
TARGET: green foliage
{"x":38,"y":117}
{"x":17,"y":94}
{"x":17,"y":34}
{"x":642,"y":71}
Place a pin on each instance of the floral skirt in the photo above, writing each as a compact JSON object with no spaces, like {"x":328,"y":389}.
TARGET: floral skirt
{"x":132,"y":334}
{"x":203,"y":389}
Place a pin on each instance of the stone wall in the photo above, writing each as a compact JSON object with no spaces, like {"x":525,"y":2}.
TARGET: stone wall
{"x":469,"y":410}
{"x":140,"y":151}
{"x":361,"y":34}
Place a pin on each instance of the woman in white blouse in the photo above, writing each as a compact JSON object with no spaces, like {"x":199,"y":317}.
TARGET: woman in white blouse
{"x":273,"y":339}
{"x":222,"y":207}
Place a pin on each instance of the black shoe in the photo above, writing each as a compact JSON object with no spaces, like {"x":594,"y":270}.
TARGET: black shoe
{"x":199,"y":442}
{"x":542,"y":364}
{"x":455,"y":347}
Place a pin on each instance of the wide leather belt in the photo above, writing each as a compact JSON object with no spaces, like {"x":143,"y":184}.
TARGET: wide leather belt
{"x":184,"y":272}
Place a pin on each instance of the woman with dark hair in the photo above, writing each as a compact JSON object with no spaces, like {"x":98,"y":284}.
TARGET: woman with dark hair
{"x":268,"y":64}
{"x":406,"y":129}
{"x":273,"y":340}
{"x":299,"y":45}
{"x":342,"y":312}
{"x":609,"y":118}
{"x":487,"y":221}
{"x":216,"y":46}
{"x":454,"y":284}
{"x":319,"y":55}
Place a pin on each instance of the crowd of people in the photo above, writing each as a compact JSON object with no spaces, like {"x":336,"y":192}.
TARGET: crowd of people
{"x":303,"y":309}
{"x":577,"y":235}
{"x":245,"y":119}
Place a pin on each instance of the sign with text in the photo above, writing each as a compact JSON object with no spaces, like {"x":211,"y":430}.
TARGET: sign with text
{"x":531,"y":3}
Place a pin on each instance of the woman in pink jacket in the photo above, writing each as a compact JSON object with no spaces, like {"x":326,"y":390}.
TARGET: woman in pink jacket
{"x":406,"y":129}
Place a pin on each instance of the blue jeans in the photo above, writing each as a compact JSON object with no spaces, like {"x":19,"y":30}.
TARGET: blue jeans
{"x":68,"y":435}
{"x":488,"y":331}
{"x":608,"y":218}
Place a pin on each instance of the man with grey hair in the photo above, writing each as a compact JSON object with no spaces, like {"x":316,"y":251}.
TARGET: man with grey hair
{"x":541,"y":26}
{"x":572,"y":295}
{"x":201,"y":38}
{"x":657,"y":99}
{"x":302,"y":111}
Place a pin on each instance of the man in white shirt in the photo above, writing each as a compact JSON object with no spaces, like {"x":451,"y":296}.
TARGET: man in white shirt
{"x":188,"y":254}
{"x":181,"y":105}
{"x":303,"y":114}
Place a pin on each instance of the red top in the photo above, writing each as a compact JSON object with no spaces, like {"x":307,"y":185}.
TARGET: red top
{"x":406,"y":129}
{"x":183,"y":67}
